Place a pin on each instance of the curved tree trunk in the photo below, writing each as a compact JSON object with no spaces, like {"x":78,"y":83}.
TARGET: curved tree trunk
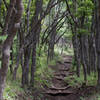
{"x":8,"y":42}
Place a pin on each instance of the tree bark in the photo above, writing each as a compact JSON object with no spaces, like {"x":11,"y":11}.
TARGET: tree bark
{"x":7,"y":44}
{"x":98,"y":37}
{"x":36,"y":33}
{"x":77,"y":53}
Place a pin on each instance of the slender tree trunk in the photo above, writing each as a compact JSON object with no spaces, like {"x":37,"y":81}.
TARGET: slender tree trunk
{"x":52,"y":44}
{"x":98,"y":38}
{"x":77,"y":54}
{"x":27,"y":53}
{"x":83,"y":57}
{"x":92,"y":53}
{"x":86,"y":53}
{"x":36,"y":33}
{"x":20,"y":53}
{"x":33,"y":66}
{"x":11,"y":63}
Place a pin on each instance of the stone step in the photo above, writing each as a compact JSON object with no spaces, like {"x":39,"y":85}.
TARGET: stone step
{"x":59,"y":92}
{"x":56,"y":88}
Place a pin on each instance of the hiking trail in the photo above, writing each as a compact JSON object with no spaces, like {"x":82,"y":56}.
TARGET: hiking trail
{"x":59,"y":89}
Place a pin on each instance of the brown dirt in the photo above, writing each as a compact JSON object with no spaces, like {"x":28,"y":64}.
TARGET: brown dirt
{"x":60,"y":90}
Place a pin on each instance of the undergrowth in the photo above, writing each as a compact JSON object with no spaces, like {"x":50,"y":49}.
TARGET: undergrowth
{"x":78,"y":82}
{"x":75,"y":81}
{"x":93,"y":96}
{"x":43,"y":77}
{"x":13,"y":88}
{"x":44,"y":73}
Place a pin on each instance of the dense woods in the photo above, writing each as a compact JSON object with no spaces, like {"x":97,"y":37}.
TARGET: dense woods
{"x":36,"y":35}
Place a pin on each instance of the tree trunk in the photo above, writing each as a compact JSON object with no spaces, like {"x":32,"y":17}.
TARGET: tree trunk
{"x":33,"y":66}
{"x":77,"y":54}
{"x":83,"y":57}
{"x":27,"y":53}
{"x":7,"y":44}
{"x":36,"y":33}
{"x":98,"y":37}
{"x":20,"y":52}
{"x":11,"y":58}
{"x":92,"y":53}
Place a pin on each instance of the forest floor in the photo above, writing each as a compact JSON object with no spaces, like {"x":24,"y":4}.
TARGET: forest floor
{"x":60,"y":89}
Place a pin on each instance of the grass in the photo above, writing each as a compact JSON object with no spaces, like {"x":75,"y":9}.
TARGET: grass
{"x":94,"y":96}
{"x":66,"y":51}
{"x":43,"y":76}
{"x":13,"y":88}
{"x":44,"y":73}
{"x":77,"y":82}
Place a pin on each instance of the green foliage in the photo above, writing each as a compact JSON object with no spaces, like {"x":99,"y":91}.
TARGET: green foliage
{"x":12,"y":89}
{"x":85,"y":7}
{"x":98,"y":97}
{"x":92,"y":79}
{"x":82,"y":98}
{"x":75,"y":81}
{"x":43,"y":73}
{"x":83,"y":31}
{"x":93,"y":96}
{"x":2,"y":38}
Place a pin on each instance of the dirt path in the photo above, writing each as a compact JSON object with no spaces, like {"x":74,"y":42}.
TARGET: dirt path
{"x":60,"y":90}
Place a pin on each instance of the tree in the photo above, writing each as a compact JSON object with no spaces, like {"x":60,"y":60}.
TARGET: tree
{"x":8,"y":42}
{"x":98,"y":37}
